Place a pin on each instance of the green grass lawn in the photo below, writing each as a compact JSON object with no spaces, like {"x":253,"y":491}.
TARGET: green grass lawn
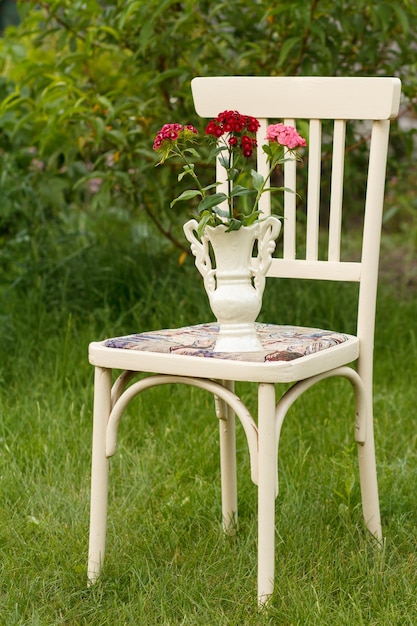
{"x":167,"y":561}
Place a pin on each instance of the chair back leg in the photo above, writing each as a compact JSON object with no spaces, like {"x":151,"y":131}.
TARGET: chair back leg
{"x":369,"y":483}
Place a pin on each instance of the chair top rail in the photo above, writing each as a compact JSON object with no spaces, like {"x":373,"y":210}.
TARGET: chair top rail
{"x":314,"y":97}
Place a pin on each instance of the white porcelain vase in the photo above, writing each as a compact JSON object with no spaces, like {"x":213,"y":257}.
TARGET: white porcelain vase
{"x":234,"y":279}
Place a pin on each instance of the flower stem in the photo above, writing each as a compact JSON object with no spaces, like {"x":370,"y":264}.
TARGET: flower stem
{"x":229,"y":186}
{"x":275,"y":160}
{"x":191,"y":171}
{"x":262,"y":188}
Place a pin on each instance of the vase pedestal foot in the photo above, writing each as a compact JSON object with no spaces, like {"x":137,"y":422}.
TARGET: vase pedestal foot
{"x":237,"y":338}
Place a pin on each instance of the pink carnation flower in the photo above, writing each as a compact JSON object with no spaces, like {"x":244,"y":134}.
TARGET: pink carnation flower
{"x":171,"y":132}
{"x":285,"y":136}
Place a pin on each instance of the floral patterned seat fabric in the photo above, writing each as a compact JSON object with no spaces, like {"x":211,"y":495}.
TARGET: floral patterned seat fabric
{"x":280,"y":343}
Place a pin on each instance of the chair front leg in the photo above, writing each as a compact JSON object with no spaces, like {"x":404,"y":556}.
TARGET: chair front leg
{"x":266,"y":491}
{"x":99,"y":472}
{"x":227,"y":431}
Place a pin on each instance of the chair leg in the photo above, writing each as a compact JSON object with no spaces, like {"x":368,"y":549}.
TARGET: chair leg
{"x":99,"y":472}
{"x":366,"y":451}
{"x":369,"y":484}
{"x":227,"y":430}
{"x":266,"y":491}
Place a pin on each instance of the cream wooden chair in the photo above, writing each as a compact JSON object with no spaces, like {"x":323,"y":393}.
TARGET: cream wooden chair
{"x":301,"y":356}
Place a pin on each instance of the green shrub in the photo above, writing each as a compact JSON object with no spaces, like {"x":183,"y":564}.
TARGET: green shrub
{"x":85,"y":85}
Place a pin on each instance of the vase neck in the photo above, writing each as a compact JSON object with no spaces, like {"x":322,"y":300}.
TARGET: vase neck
{"x":232,"y":250}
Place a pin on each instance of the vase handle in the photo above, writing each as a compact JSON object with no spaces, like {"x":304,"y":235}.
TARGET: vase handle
{"x":200,"y":250}
{"x":269,"y":230}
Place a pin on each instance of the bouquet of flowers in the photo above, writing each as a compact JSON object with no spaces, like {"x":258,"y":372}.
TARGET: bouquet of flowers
{"x":234,"y":136}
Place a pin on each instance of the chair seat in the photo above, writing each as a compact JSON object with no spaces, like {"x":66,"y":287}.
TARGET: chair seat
{"x":287,"y":350}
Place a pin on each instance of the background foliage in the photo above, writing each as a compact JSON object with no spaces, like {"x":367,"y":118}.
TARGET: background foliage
{"x":84,"y":86}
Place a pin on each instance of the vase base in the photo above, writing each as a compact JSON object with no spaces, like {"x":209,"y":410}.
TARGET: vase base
{"x":237,"y":338}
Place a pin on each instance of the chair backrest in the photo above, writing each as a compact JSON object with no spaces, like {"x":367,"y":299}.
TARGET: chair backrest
{"x":322,"y":106}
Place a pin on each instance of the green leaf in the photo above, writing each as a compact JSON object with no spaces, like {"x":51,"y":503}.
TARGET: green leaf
{"x":224,"y":162}
{"x":187,"y":169}
{"x":402,"y":17}
{"x":221,"y":212}
{"x":286,"y":48}
{"x":186,"y":195}
{"x":232,"y":174}
{"x":163,"y":76}
{"x":211,"y":201}
{"x":234,"y":225}
{"x":239,"y":190}
{"x":217,"y":150}
{"x":258,"y":180}
{"x":247,"y":220}
{"x":192,"y":151}
{"x":117,"y":137}
{"x":211,"y":186}
{"x":106,"y":104}
{"x":204,"y":220}
{"x":113,"y":32}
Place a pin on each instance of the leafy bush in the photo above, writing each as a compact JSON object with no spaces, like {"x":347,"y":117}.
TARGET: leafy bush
{"x":85,"y":85}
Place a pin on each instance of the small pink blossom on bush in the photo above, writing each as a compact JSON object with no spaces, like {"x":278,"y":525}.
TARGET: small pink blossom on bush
{"x":110,"y":160}
{"x":36,"y":165}
{"x":94,"y":185}
{"x":285,"y":136}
